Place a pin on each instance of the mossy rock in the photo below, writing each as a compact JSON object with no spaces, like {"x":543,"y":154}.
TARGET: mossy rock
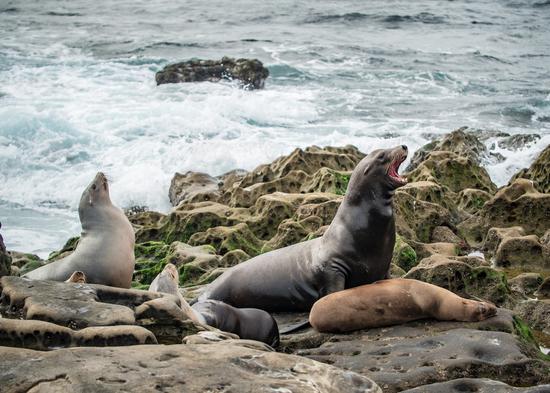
{"x":518,"y":204}
{"x":150,"y":260}
{"x":416,"y":219}
{"x":234,"y":257}
{"x":523,"y":252}
{"x":68,"y":248}
{"x":31,"y":265}
{"x":292,"y":232}
{"x":472,"y":200}
{"x":452,"y":171}
{"x":429,"y":191}
{"x":463,"y":279}
{"x":404,"y":255}
{"x":225,"y":239}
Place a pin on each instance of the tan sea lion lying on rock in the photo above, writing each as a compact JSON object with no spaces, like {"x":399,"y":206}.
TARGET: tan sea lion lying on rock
{"x":391,"y":302}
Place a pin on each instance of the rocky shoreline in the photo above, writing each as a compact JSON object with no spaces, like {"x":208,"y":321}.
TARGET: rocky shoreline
{"x":455,"y":229}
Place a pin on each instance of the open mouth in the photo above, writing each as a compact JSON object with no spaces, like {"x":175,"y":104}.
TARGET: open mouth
{"x":394,"y":168}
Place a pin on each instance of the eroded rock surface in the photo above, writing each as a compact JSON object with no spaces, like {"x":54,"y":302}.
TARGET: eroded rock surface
{"x":175,"y":368}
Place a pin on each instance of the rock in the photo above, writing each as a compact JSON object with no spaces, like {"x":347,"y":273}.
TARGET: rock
{"x":480,"y":385}
{"x":46,"y":336}
{"x":453,"y":171}
{"x":425,"y":250}
{"x":146,"y":219}
{"x":193,"y":187}
{"x":538,"y":172}
{"x":249,"y":72}
{"x":495,"y":236}
{"x":424,"y":352}
{"x":403,"y":256}
{"x":225,"y":239}
{"x":458,"y":276}
{"x":472,"y":200}
{"x":415,"y":219}
{"x":234,"y":257}
{"x":518,"y":204}
{"x":78,"y":306}
{"x":68,"y":248}
{"x":518,"y":141}
{"x":536,"y":313}
{"x":443,"y":234}
{"x":428,"y":191}
{"x":544,"y":289}
{"x":525,"y":252}
{"x":526,"y":283}
{"x":193,"y":368}
{"x":459,"y":142}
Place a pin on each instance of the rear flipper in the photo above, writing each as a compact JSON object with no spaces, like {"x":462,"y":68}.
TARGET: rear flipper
{"x":247,"y":323}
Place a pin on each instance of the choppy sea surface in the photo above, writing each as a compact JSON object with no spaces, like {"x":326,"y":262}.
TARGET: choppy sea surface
{"x":78,"y":93}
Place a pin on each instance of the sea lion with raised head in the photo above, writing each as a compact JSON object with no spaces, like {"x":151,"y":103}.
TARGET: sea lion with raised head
{"x":392,"y":302}
{"x":250,"y":324}
{"x":356,"y":249}
{"x":105,"y":251}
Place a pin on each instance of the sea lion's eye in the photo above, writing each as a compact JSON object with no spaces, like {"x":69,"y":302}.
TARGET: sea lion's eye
{"x":94,"y":187}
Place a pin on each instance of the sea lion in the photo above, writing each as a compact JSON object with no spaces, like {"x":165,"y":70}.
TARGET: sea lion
{"x":391,"y":302}
{"x":77,"y":277}
{"x":249,"y":323}
{"x":167,"y":282}
{"x":356,"y":249}
{"x":105,"y":251}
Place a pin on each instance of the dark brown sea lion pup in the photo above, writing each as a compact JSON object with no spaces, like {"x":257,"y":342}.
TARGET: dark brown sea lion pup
{"x":105,"y":251}
{"x":356,"y":249}
{"x":247,"y":323}
{"x":391,"y":302}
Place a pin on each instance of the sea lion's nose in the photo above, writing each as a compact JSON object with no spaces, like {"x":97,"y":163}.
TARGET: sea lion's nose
{"x":404,"y":147}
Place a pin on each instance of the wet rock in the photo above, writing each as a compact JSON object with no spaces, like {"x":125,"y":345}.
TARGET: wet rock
{"x":526,"y":283}
{"x":538,"y":172}
{"x":460,"y":141}
{"x":42,"y":335}
{"x":196,"y":368}
{"x":459,"y":276}
{"x":518,"y":141}
{"x":525,"y":252}
{"x":249,"y":72}
{"x":479,"y":385}
{"x":193,"y":187}
{"x":453,"y":171}
{"x":518,"y":204}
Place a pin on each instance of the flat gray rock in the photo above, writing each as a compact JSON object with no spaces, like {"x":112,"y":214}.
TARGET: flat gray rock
{"x":479,"y":385}
{"x":215,"y":367}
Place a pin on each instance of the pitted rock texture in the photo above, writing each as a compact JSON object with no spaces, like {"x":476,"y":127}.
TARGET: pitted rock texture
{"x":175,"y":368}
{"x":193,"y":187}
{"x":479,"y":385}
{"x":398,"y":363}
{"x":80,"y":306}
{"x":250,"y":72}
{"x":46,"y":336}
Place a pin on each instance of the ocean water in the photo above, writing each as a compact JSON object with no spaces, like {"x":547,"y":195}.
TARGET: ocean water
{"x":78,"y":92}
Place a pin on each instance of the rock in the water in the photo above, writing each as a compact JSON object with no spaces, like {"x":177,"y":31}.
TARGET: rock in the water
{"x":176,"y":368}
{"x":538,"y":172}
{"x":193,"y":187}
{"x":249,"y":72}
{"x":518,"y":141}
